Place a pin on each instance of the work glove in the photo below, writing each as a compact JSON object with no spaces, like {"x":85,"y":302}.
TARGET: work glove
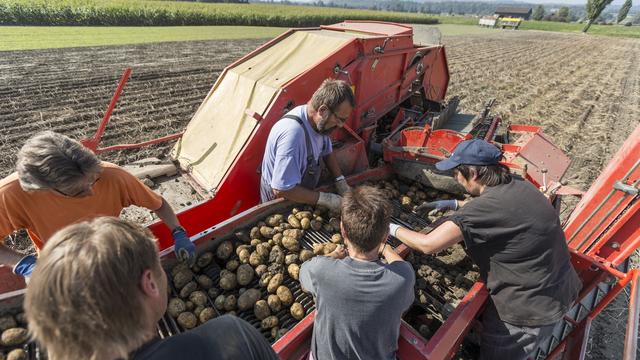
{"x":25,"y":266}
{"x":333,"y":202}
{"x":440,"y":205}
{"x":183,"y":247}
{"x":342,"y":185}
{"x":393,"y":229}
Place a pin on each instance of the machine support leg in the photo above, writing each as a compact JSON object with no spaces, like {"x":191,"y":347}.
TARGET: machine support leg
{"x":631,"y":337}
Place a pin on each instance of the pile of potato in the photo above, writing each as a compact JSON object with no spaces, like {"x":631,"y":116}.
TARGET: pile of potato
{"x":14,"y":336}
{"x":254,"y":267}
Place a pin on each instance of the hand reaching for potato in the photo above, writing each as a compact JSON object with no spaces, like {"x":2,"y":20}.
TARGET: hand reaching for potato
{"x":339,"y":253}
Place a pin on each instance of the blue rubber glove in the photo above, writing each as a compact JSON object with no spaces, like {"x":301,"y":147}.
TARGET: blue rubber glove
{"x":183,"y":247}
{"x":25,"y":266}
{"x":440,"y":205}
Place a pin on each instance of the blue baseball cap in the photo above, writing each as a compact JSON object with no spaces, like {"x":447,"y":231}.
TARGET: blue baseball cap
{"x":471,"y":152}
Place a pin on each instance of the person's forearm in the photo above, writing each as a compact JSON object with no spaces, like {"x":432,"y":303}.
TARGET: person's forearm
{"x":440,"y":238}
{"x":167,"y":215}
{"x":332,"y":164}
{"x":9,"y":257}
{"x":299,"y":194}
{"x":390,"y":254}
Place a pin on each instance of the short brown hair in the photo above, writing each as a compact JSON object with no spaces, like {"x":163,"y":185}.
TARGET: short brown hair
{"x":489,"y":175}
{"x":83,"y":300}
{"x":366,"y":213}
{"x":332,"y":93}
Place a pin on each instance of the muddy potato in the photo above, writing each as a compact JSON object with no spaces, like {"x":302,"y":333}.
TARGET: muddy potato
{"x":190,"y":306}
{"x":318,"y":249}
{"x":14,"y":336}
{"x":267,"y":232}
{"x":17,"y":354}
{"x":232,"y":265}
{"x":285,"y":296}
{"x":244,"y":274}
{"x":294,"y":271}
{"x":405,"y":201}
{"x":290,"y":244}
{"x":228,"y":280}
{"x":255,"y":259}
{"x":255,"y":232}
{"x":239,"y":248}
{"x":7,"y":322}
{"x":305,"y":255}
{"x":277,"y":239}
{"x":269,"y":322}
{"x":224,"y":250}
{"x":213,"y":293}
{"x":274,"y":283}
{"x":244,"y":256}
{"x":198,"y":297}
{"x":305,"y":224}
{"x":188,"y":289}
{"x":335,"y":224}
{"x":255,"y":242}
{"x":276,"y":269}
{"x":274,"y":303}
{"x":275,"y":220}
{"x":294,"y":222}
{"x":263,"y":249}
{"x":219,"y":302}
{"x":261,"y":269}
{"x":276,"y":256}
{"x":293,"y":233}
{"x":316,"y":225}
{"x":207,"y":314}
{"x":328,"y":248}
{"x":198,"y":310}
{"x":182,"y":278}
{"x":187,"y":320}
{"x":297,"y":311}
{"x":265,"y":279}
{"x":248,"y":299}
{"x":291,"y":259}
{"x":230,"y":303}
{"x":205,"y":259}
{"x":336,"y":238}
{"x":179,"y":268}
{"x":261,"y":310}
{"x":304,"y":215}
{"x":175,"y":307}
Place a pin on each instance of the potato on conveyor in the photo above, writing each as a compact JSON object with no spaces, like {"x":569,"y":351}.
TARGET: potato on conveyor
{"x":248,"y":298}
{"x":255,"y":232}
{"x":304,"y":215}
{"x":276,"y":255}
{"x":17,"y":354}
{"x":213,"y":292}
{"x":255,"y":242}
{"x":265,"y":279}
{"x":219,"y":302}
{"x":14,"y":336}
{"x":336,"y":238}
{"x":277,"y":239}
{"x":198,"y":310}
{"x":316,"y":224}
{"x":188,"y":289}
{"x":179,"y":267}
{"x":291,"y":259}
{"x":207,"y":314}
{"x":267,"y":232}
{"x":305,"y":255}
{"x":189,"y":305}
{"x":227,"y":280}
{"x":261,"y":310}
{"x":335,"y":224}
{"x":205,"y":282}
{"x":297,"y":311}
{"x":290,"y":244}
{"x":244,"y":255}
{"x":269,"y":322}
{"x":318,"y":249}
{"x":274,"y":303}
{"x":305,"y":224}
{"x":285,"y":296}
{"x":187,"y":320}
{"x":230,"y":303}
{"x":261,"y":269}
{"x":7,"y":322}
{"x":205,"y":259}
{"x":198,"y":297}
{"x":275,"y":220}
{"x":224,"y":250}
{"x":329,"y":248}
{"x":293,"y":233}
{"x":240,"y":247}
{"x":294,"y":271}
{"x":182,"y":278}
{"x":245,"y":274}
{"x":275,"y":281}
{"x":232,"y":265}
{"x":255,"y":259}
{"x":175,"y":307}
{"x":263,"y":249}
{"x":294,"y":222}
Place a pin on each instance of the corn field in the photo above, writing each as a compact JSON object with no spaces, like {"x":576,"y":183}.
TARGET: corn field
{"x":164,"y":13}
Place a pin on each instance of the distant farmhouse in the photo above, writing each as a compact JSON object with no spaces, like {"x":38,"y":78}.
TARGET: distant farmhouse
{"x":523,"y":13}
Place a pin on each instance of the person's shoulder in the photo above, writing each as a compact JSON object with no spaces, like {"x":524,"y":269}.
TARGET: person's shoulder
{"x":402,"y":268}
{"x":10,"y":183}
{"x":186,"y":344}
{"x":112,"y":172}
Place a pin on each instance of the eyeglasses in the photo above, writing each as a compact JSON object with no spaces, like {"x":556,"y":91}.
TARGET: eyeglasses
{"x":79,"y":192}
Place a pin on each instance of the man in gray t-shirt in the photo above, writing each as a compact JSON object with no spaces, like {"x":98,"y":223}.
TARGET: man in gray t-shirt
{"x":360,"y":299}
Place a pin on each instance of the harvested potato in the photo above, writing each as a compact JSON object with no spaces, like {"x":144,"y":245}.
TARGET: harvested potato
{"x":187,"y":320}
{"x":285,"y":295}
{"x":271,"y":242}
{"x":182,"y":278}
{"x":207,"y":314}
{"x":405,"y":201}
{"x":256,"y":242}
{"x":244,"y":256}
{"x":239,"y":248}
{"x":293,"y":233}
{"x":305,"y":224}
{"x":318,"y":249}
{"x":198,"y":297}
{"x":275,"y":220}
{"x":230,"y":303}
{"x":294,"y":271}
{"x":304,"y":215}
{"x":295,"y":210}
{"x":198,"y":310}
{"x":213,"y":293}
{"x":205,"y":259}
{"x":265,"y":279}
{"x":315,"y":225}
{"x":190,"y":306}
{"x":255,"y":259}
{"x":219,"y":302}
{"x":277,"y":239}
{"x":175,"y":307}
{"x":261,"y":310}
{"x":336,"y":238}
{"x":275,"y":281}
{"x":196,"y":268}
{"x":269,"y":322}
{"x":294,"y":222}
{"x":232,"y":265}
{"x":17,"y":354}
{"x":267,"y":232}
{"x":227,"y":280}
{"x":285,"y":226}
{"x":179,"y":268}
{"x":297,"y":311}
{"x":7,"y":322}
{"x":290,"y":243}
{"x":248,"y":298}
{"x":274,"y":303}
{"x":261,"y":269}
{"x":224,"y":250}
{"x":188,"y":289}
{"x":244,"y":274}
{"x":255,"y":232}
{"x":335,"y":224}
{"x":329,"y":247}
{"x":274,"y":332}
{"x":305,"y":255}
{"x":291,"y":259}
{"x":14,"y":336}
{"x":276,"y":255}
{"x":276,"y":269}
{"x":263,"y":249}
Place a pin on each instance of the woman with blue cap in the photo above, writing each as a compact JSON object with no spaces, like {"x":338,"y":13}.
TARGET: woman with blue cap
{"x":514,"y":235}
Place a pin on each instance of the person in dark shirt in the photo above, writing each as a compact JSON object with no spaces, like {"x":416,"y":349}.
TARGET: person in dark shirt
{"x":99,"y":290}
{"x":514,"y":236}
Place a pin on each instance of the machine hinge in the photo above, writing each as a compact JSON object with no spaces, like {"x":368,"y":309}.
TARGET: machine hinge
{"x":619,"y":185}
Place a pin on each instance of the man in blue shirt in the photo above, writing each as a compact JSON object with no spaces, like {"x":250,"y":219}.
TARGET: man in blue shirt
{"x":296,"y":143}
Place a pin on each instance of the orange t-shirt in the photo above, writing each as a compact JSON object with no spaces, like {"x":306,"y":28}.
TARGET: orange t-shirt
{"x":43,"y":212}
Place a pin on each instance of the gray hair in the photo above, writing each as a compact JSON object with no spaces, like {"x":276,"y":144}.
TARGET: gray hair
{"x":53,"y":161}
{"x":332,"y":93}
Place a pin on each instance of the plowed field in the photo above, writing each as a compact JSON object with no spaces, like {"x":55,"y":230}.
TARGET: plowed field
{"x":584,"y":91}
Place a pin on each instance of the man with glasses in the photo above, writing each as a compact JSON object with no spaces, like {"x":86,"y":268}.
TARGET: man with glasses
{"x":296,"y":143}
{"x":59,"y":182}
